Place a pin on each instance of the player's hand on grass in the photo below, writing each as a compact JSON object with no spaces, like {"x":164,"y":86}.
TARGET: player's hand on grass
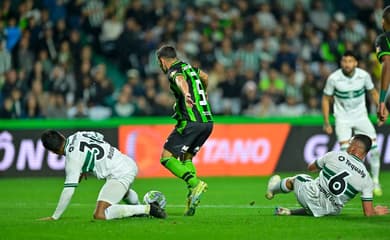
{"x":381,"y":210}
{"x":328,"y":128}
{"x":189,"y":100}
{"x":46,"y":219}
{"x":382,"y":113}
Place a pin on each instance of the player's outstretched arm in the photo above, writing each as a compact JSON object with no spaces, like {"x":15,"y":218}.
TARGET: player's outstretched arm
{"x":63,"y":203}
{"x":370,"y":210}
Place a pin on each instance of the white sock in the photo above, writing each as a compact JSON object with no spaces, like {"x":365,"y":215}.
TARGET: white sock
{"x":375,"y":163}
{"x":281,"y":187}
{"x":122,"y":210}
{"x":131,"y":197}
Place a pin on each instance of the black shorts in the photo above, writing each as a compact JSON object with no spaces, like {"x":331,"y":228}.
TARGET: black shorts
{"x":188,"y":137}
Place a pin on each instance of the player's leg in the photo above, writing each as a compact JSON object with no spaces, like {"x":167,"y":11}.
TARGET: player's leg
{"x":375,"y":167}
{"x":298,"y":183}
{"x":199,"y":133}
{"x":108,"y":208}
{"x":343,"y":130}
{"x":286,"y":211}
{"x":176,"y":145}
{"x":131,"y":197}
{"x":365,"y":127}
{"x":277,"y":185}
{"x":174,"y":165}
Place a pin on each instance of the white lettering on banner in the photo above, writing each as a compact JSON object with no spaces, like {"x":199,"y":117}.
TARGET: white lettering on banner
{"x":9,"y":150}
{"x":236,"y":151}
{"x":30,"y":155}
{"x":386,"y":154}
{"x":55,"y":161}
{"x":317,"y":145}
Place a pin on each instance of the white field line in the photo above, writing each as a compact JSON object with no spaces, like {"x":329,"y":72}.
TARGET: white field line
{"x":211,"y":206}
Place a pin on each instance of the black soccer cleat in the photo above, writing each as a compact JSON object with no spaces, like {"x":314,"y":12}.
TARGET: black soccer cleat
{"x":157,"y":211}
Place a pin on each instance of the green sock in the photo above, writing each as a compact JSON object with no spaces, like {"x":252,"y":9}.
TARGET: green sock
{"x":179,"y":170}
{"x":190,"y":166}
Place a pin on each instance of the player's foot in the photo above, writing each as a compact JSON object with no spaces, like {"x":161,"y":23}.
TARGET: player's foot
{"x":188,"y":202}
{"x":280,"y":211}
{"x":378,"y":190}
{"x":275,"y":179}
{"x":195,"y":198}
{"x":157,"y":211}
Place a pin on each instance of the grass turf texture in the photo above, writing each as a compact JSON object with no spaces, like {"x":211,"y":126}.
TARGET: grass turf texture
{"x":233,"y":208}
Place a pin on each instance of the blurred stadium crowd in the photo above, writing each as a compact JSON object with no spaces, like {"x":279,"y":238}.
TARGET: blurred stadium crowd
{"x":264,"y":58}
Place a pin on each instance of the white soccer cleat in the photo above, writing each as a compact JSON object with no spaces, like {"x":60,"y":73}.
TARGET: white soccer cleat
{"x":281,"y":211}
{"x":275,"y":179}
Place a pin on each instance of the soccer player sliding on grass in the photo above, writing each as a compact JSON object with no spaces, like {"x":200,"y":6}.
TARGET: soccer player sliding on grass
{"x":194,"y":122}
{"x":87,"y":152}
{"x":342,"y":176}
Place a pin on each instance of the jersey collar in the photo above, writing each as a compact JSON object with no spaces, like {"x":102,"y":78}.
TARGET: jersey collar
{"x":356,"y":158}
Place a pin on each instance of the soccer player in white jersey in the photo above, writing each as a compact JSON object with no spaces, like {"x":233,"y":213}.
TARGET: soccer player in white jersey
{"x":87,"y":152}
{"x":346,"y":88}
{"x":342,"y":176}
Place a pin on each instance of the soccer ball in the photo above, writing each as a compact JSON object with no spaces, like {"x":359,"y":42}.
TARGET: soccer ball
{"x":155,"y":196}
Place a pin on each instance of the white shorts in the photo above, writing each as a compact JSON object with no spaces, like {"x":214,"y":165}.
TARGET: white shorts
{"x":311,"y":198}
{"x":119,"y":181}
{"x":112,"y":191}
{"x":362,"y":125}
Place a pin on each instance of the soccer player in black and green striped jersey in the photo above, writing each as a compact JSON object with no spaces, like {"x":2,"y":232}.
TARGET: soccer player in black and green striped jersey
{"x":382,"y":46}
{"x":194,"y":122}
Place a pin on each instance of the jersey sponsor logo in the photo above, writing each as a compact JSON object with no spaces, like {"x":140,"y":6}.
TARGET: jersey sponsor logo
{"x":353,"y":167}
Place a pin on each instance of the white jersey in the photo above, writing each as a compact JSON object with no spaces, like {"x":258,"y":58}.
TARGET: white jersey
{"x":349,"y":93}
{"x":88,"y":152}
{"x":341,"y":178}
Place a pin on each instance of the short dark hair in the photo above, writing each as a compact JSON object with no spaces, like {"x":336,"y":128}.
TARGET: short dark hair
{"x":166,"y":51}
{"x":365,"y":140}
{"x":350,"y":53}
{"x":386,"y":14}
{"x":52,"y":140}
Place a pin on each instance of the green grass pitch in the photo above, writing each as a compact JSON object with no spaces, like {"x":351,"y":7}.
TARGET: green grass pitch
{"x":232,"y":208}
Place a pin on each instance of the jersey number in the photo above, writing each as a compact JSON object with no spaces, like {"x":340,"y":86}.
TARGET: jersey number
{"x":337,"y":184}
{"x":97,"y":150}
{"x":201,"y":92}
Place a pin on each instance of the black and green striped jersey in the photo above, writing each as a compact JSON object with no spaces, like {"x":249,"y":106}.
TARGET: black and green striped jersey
{"x":201,"y":111}
{"x":382,"y":45}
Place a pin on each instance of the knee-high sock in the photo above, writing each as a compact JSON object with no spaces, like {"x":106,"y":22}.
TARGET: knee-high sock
{"x":190,"y":166}
{"x":179,"y":170}
{"x":375,"y":163}
{"x":281,"y":187}
{"x":121,"y":211}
